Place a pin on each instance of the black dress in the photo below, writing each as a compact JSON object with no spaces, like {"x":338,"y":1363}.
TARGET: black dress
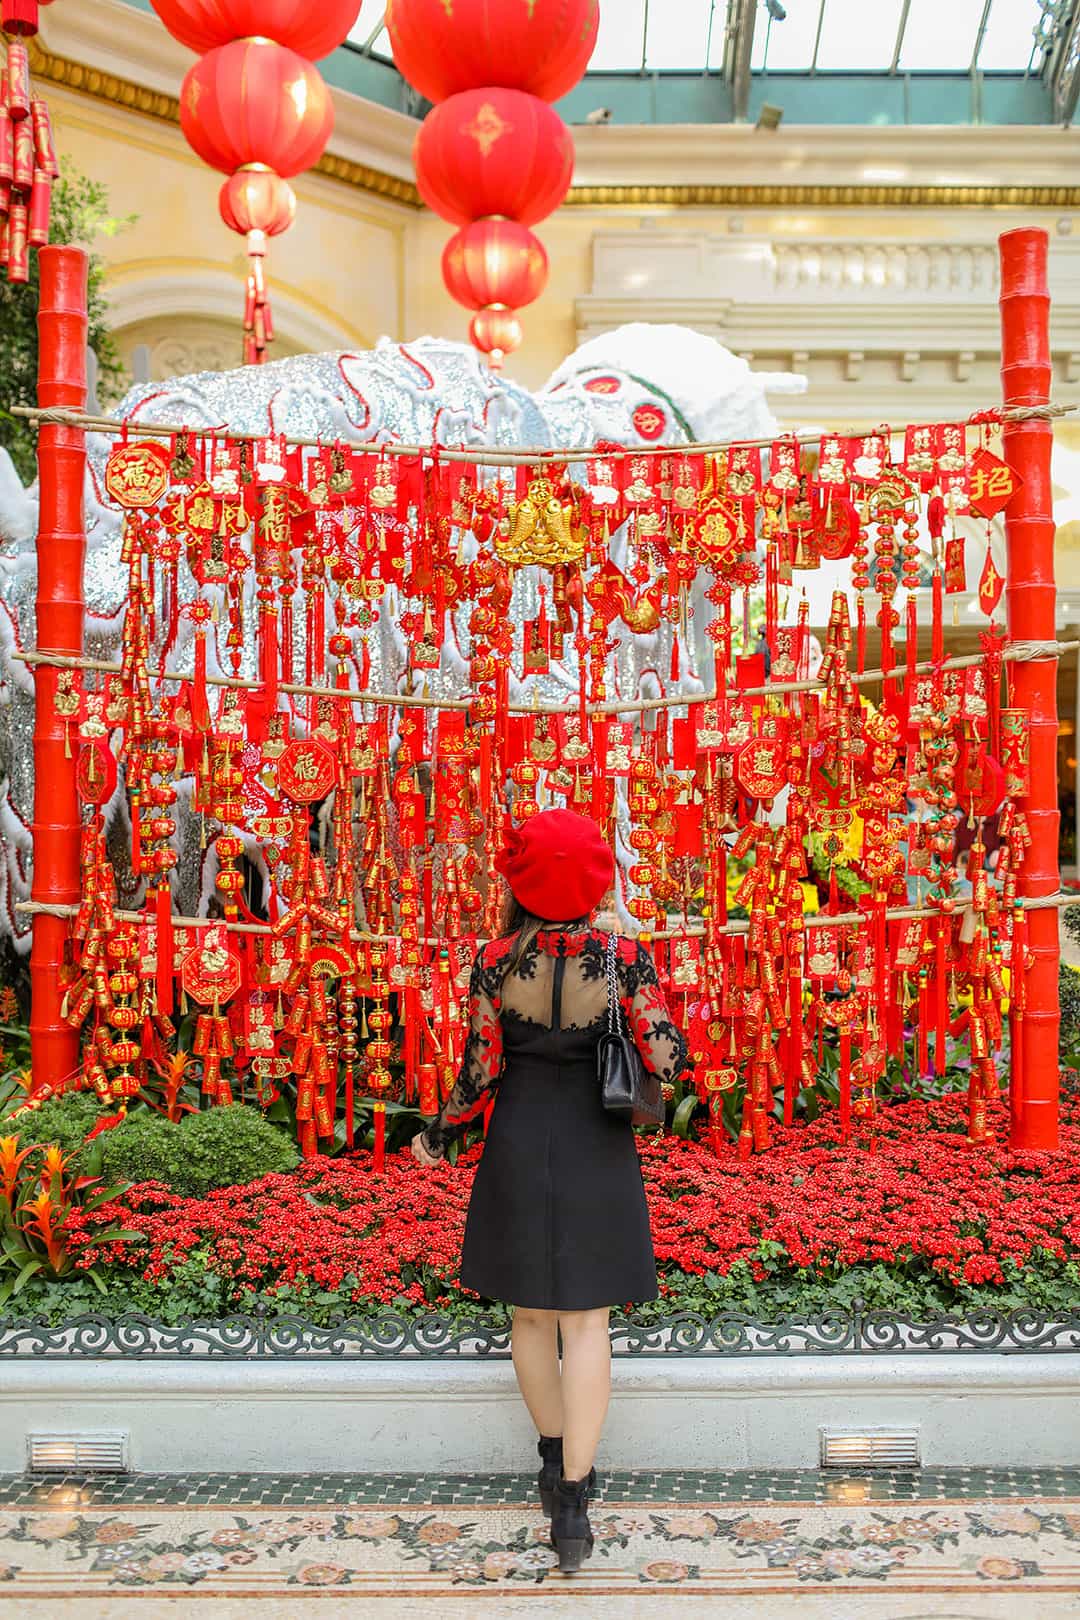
{"x":557,"y":1219}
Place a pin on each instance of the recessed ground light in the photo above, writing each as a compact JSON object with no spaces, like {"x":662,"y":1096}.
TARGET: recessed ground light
{"x":89,"y":1451}
{"x":870,"y":1448}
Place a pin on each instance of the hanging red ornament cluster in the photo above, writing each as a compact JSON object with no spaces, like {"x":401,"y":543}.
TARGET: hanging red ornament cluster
{"x":28,"y":164}
{"x":493,"y":157}
{"x":346,"y":988}
{"x":255,"y":107}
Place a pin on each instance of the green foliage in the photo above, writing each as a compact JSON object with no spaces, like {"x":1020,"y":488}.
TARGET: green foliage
{"x":1069,"y":990}
{"x":65,"y":1120}
{"x":80,"y":214}
{"x":219,"y":1148}
{"x":1044,"y":1284}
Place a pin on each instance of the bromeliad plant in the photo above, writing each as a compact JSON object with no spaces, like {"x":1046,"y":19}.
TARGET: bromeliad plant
{"x":39,"y":1193}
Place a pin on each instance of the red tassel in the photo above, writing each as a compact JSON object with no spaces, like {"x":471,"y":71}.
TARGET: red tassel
{"x":772,"y":598}
{"x":429,"y":929}
{"x":793,"y":1076}
{"x":318,"y":652}
{"x":380,"y":1136}
{"x":200,"y":707}
{"x":286,"y":636}
{"x":888,"y":659}
{"x":860,"y":637}
{"x":165,"y":948}
{"x":365,"y":665}
{"x":350,"y":1106}
{"x":941,"y":1000}
{"x":485,"y":771}
{"x":923,"y":1037}
{"x":937,"y":634}
{"x":675,"y":657}
{"x":269,"y":657}
{"x":912,"y":640}
{"x":845,"y":1085}
{"x":721,"y":882}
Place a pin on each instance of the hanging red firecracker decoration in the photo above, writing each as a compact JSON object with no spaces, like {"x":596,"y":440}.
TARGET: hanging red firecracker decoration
{"x":542,"y":46}
{"x":257,"y":203}
{"x":28,"y":164}
{"x":493,"y":151}
{"x":311,"y":30}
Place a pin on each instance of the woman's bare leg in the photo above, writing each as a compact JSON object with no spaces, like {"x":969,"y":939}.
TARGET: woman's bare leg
{"x":586,"y":1386}
{"x":536,"y":1363}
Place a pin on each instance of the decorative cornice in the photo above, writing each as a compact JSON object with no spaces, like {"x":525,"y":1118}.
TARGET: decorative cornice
{"x":818,"y":196}
{"x":120,"y":92}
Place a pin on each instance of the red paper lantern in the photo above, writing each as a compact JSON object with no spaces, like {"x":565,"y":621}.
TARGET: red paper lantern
{"x":494,"y":261}
{"x":20,"y":17}
{"x":542,"y":46}
{"x":256,"y":102}
{"x":497,"y":333}
{"x":312,"y":30}
{"x":493,"y":151}
{"x":257,"y":199}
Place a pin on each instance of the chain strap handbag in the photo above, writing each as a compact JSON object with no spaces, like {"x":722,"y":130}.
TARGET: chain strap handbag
{"x":627,"y":1088}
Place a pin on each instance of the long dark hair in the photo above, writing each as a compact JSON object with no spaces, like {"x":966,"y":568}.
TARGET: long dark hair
{"x":517,"y":919}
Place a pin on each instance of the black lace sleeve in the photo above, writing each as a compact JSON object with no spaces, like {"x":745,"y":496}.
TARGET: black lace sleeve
{"x":480,"y":1067}
{"x":658,"y":1037}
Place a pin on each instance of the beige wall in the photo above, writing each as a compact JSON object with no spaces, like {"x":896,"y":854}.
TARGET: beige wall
{"x":177,"y":276}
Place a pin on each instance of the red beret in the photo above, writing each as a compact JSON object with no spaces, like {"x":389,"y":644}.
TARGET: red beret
{"x":557,"y":865}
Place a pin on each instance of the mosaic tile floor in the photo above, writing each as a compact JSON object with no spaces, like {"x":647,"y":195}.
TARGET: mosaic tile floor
{"x":952,"y":1545}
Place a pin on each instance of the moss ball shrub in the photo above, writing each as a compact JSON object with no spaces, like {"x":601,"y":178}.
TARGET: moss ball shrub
{"x":223,"y":1147}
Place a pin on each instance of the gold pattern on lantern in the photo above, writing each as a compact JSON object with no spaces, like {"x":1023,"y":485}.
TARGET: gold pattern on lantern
{"x":487,"y":128}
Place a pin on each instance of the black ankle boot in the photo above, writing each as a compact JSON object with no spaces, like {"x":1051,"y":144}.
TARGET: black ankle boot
{"x":550,"y":1450}
{"x":571,"y":1532}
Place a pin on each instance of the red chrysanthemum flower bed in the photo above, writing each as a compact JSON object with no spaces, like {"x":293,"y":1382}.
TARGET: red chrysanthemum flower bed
{"x":921,"y":1199}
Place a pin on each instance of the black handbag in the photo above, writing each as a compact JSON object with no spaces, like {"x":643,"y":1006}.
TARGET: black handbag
{"x":627,"y":1088}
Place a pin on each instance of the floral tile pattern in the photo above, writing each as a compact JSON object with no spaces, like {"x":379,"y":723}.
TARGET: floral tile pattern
{"x":433,"y":1550}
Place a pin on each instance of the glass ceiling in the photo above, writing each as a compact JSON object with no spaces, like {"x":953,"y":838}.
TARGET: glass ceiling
{"x":807,"y":36}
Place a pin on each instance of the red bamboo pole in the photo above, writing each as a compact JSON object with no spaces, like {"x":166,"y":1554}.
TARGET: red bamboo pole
{"x":1030,"y":600}
{"x":61,"y":548}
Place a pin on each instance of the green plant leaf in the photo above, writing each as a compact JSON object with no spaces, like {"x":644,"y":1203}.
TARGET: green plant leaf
{"x":680,"y":1124}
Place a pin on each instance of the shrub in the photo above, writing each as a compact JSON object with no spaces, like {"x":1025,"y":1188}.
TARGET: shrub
{"x":219,"y":1148}
{"x":66,"y":1120}
{"x":1069,"y":991}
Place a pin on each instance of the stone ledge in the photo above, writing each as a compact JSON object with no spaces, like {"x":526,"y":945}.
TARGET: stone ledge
{"x":667,"y":1412}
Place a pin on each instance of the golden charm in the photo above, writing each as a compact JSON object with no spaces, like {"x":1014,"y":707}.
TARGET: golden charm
{"x":541,"y":530}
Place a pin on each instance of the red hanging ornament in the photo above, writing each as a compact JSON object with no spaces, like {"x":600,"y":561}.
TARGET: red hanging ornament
{"x":495,"y":332}
{"x":256,"y":102}
{"x":493,"y":152}
{"x":311,"y":30}
{"x":494,"y":262}
{"x":542,"y":47}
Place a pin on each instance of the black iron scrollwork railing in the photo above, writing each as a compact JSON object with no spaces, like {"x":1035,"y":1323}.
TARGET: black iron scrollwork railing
{"x":390,"y":1335}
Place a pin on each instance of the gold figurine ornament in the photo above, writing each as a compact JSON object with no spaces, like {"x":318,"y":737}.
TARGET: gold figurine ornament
{"x":541,"y":530}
